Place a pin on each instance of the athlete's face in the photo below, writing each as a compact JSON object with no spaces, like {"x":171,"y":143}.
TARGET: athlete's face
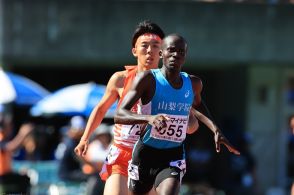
{"x":147,"y":50}
{"x":174,"y":52}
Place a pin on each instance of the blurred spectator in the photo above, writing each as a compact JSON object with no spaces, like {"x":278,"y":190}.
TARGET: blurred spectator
{"x":220,"y":173}
{"x":200,"y":155}
{"x":95,"y":157}
{"x":46,"y":139}
{"x":28,"y":149}
{"x":40,"y":145}
{"x":241,"y":177}
{"x":70,"y":166}
{"x":12,"y":182}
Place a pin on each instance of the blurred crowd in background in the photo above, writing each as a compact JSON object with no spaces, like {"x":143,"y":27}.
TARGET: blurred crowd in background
{"x":208,"y":172}
{"x":46,"y":140}
{"x":33,"y":144}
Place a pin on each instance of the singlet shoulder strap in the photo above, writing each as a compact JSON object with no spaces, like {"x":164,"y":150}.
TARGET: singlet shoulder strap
{"x":131,"y":73}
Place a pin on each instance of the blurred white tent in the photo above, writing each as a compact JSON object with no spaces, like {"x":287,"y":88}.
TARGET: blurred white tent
{"x":79,"y":99}
{"x":19,"y":89}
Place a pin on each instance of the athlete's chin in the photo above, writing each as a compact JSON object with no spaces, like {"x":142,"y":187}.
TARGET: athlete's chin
{"x":173,"y":67}
{"x":173,"y":64}
{"x":151,"y":66}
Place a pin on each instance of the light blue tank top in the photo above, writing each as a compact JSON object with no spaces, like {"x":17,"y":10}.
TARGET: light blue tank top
{"x":176,"y":103}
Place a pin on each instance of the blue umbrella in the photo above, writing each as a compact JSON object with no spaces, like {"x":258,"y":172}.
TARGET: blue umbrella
{"x":19,"y":89}
{"x":79,"y":99}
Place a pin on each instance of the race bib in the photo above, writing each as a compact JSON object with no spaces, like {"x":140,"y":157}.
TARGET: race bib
{"x":175,"y":130}
{"x":130,"y":132}
{"x":112,"y":155}
{"x":181,"y":164}
{"x":133,"y":171}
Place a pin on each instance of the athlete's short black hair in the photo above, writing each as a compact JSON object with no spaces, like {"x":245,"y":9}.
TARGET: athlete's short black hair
{"x":146,"y":26}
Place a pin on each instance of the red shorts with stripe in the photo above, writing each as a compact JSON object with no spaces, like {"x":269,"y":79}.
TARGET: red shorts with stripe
{"x":117,"y":162}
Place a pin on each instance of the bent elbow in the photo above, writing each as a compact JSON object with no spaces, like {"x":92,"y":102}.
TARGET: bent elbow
{"x":118,"y":119}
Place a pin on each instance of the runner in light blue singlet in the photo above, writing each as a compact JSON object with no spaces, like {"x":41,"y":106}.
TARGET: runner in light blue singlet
{"x":174,"y":102}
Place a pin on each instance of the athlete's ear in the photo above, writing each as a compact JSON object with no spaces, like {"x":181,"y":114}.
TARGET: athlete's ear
{"x":160,"y":53}
{"x":134,"y":51}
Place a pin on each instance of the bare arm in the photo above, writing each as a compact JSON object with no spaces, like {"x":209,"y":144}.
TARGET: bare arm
{"x":204,"y":120}
{"x":197,"y":87}
{"x":123,"y":114}
{"x":193,"y":123}
{"x":110,"y":96}
{"x":219,"y":138}
{"x":17,"y":141}
{"x":142,"y":88}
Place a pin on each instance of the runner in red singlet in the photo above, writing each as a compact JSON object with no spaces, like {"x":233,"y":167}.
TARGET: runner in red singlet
{"x":146,"y":44}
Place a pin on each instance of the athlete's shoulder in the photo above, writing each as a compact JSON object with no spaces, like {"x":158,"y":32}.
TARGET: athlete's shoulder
{"x":116,"y":81}
{"x":118,"y":76}
{"x":196,"y":83}
{"x":144,"y":74}
{"x":144,"y":79}
{"x":195,"y":78}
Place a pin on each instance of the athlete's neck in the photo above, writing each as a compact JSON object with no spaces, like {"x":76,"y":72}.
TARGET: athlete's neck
{"x":173,"y":77}
{"x":142,"y":68}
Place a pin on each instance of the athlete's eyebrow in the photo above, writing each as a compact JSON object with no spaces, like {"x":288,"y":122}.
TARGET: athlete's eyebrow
{"x":151,"y":41}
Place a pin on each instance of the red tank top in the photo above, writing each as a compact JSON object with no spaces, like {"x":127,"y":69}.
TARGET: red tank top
{"x":125,"y":136}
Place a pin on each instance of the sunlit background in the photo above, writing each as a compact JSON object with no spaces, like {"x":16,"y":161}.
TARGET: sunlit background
{"x":242,"y":51}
